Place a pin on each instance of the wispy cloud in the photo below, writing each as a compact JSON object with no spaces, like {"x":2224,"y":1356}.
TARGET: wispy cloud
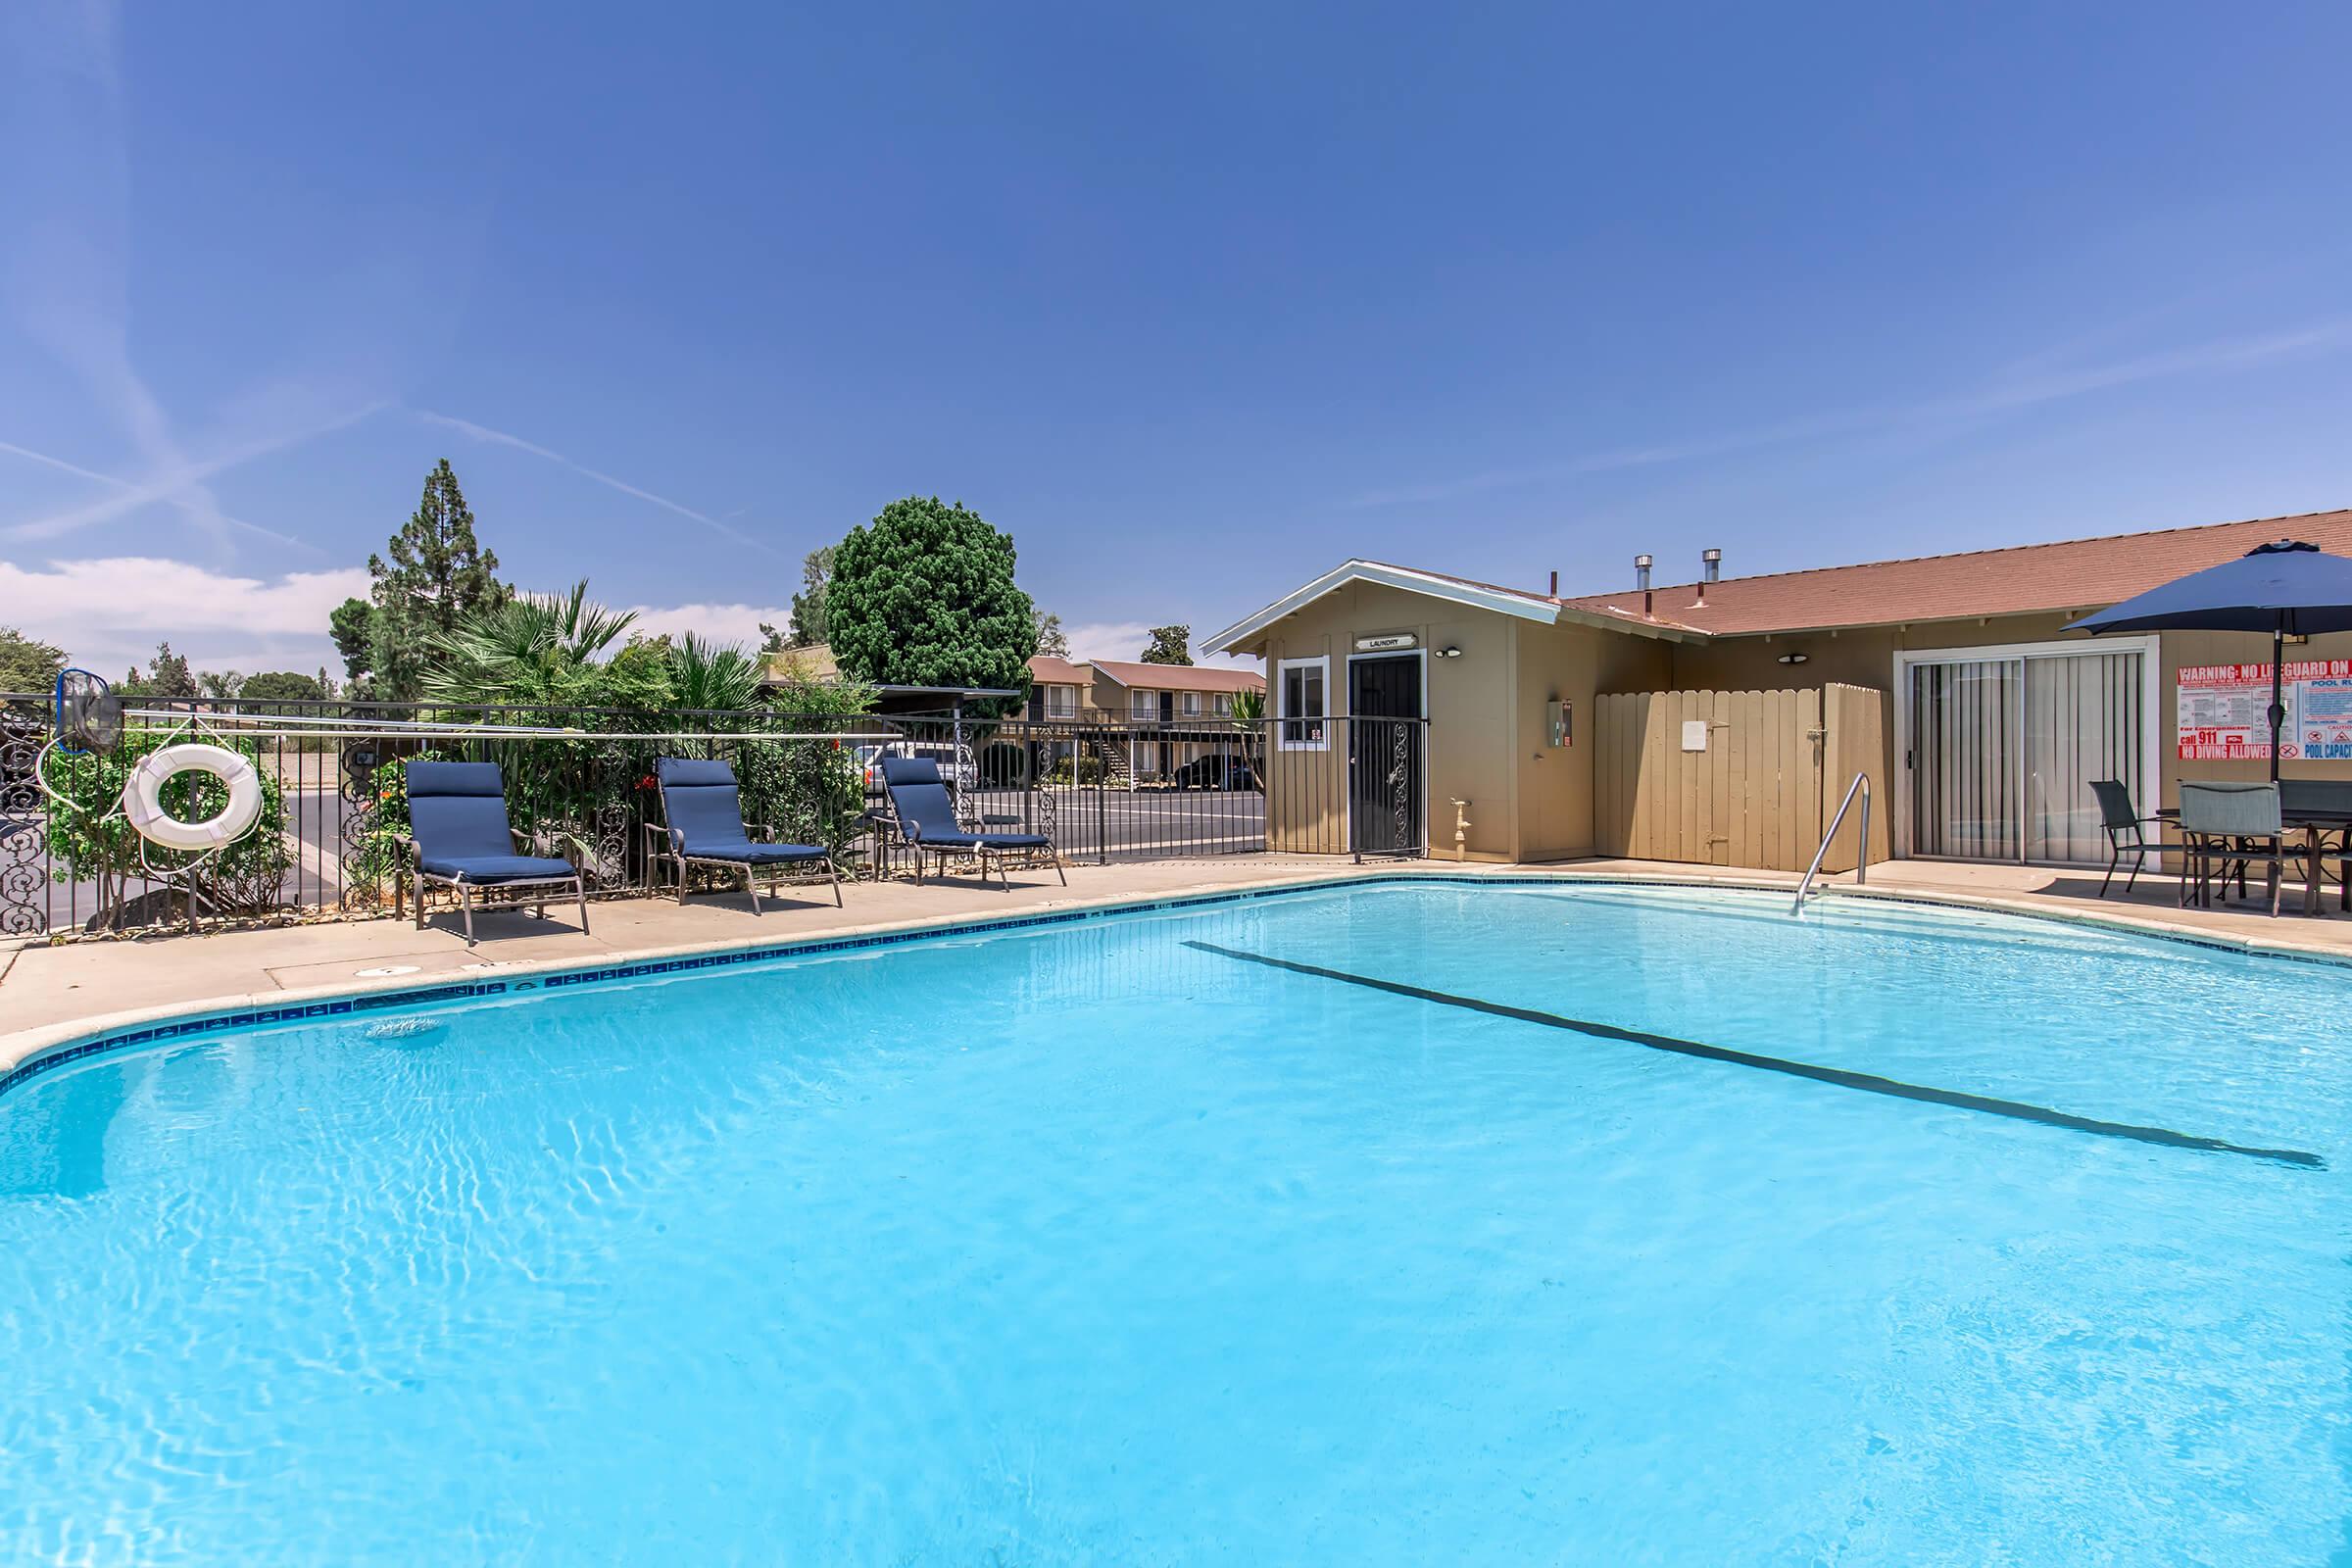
{"x":482,"y":432}
{"x":724,"y":623}
{"x":1127,"y":639}
{"x":66,"y":273}
{"x":175,"y":485}
{"x":60,"y":463}
{"x":108,"y":613}
{"x":2036,"y":381}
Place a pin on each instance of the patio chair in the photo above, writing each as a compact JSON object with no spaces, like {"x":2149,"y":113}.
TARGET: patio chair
{"x":458,"y":837}
{"x":2227,"y":824}
{"x":2300,"y":800}
{"x":927,"y":824}
{"x":2125,"y":829}
{"x":704,"y":810}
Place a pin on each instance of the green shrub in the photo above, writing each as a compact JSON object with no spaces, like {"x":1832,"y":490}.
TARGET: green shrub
{"x":91,"y":839}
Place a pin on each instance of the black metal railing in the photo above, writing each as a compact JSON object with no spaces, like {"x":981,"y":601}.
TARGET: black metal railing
{"x":334,"y":802}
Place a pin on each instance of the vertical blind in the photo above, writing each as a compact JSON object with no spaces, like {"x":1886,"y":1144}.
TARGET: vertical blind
{"x":2004,"y":751}
{"x":1964,"y":762}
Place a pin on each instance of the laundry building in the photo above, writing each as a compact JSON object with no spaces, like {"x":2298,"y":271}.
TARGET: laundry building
{"x":1722,"y":720}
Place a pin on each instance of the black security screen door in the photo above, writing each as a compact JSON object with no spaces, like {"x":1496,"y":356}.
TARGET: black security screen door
{"x":1384,"y":755}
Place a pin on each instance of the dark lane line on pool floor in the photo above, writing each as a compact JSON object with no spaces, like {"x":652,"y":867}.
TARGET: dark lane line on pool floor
{"x":1868,"y":1083}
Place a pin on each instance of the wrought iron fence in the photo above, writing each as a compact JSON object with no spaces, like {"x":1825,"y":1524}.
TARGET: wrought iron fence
{"x":335,"y":809}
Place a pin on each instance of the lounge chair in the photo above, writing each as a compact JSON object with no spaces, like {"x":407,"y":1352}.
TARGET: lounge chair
{"x":927,"y":824}
{"x":458,"y":837}
{"x":703,"y":808}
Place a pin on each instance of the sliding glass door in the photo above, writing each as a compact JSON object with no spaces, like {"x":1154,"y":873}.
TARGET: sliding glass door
{"x":2003,"y":749}
{"x":1964,"y":759}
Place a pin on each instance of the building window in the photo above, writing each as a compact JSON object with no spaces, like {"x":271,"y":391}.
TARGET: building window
{"x":1142,"y":705}
{"x":1192,"y":704}
{"x":1061,"y":701}
{"x":1303,"y":684}
{"x":1224,"y":705}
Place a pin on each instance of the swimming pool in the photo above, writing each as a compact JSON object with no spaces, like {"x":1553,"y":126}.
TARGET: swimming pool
{"x":1407,"y":1223}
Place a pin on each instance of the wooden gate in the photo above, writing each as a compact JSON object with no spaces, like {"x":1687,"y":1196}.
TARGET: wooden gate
{"x":1736,"y":778}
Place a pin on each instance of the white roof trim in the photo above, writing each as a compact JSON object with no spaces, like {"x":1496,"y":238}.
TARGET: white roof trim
{"x":1503,"y":601}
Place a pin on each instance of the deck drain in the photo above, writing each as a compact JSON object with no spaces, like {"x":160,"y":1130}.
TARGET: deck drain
{"x":385,"y":971}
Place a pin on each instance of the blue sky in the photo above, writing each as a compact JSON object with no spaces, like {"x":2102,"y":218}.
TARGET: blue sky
{"x":1195,"y":301}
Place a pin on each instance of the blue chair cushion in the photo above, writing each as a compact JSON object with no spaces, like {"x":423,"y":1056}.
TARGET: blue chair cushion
{"x":758,"y":854}
{"x":983,"y":840}
{"x":919,"y":796}
{"x":706,"y":816}
{"x":458,"y":811}
{"x":454,"y":778}
{"x":487,"y":868}
{"x":692,"y":770}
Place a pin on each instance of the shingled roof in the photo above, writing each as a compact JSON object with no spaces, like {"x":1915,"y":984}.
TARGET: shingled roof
{"x":2072,"y":574}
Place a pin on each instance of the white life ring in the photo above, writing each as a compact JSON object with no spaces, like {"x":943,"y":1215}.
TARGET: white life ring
{"x":143,"y":803}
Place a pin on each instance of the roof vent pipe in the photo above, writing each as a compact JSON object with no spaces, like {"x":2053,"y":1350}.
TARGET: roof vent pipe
{"x":1712,"y":559}
{"x":1641,"y":576}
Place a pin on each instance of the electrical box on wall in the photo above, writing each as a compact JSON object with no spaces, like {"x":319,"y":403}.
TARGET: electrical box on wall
{"x":1559,"y":722}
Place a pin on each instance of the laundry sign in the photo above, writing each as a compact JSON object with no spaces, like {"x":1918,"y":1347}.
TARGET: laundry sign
{"x":2223,"y":711}
{"x":1382,"y":644}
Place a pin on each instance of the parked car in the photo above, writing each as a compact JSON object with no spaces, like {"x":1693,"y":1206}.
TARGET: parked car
{"x":1218,"y":770}
{"x":958,"y":770}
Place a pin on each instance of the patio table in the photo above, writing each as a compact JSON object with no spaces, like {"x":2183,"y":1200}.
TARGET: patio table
{"x":2316,"y":823}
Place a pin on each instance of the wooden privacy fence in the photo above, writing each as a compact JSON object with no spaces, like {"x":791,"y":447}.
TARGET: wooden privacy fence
{"x":1737,"y":778}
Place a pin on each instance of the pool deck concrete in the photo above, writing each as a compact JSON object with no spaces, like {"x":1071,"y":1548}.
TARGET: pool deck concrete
{"x":50,"y":994}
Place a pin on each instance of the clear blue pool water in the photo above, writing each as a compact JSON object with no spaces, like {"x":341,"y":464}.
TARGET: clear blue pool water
{"x":1084,"y":1245}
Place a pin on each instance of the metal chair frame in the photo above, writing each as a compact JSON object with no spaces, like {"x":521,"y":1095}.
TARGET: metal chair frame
{"x":2117,"y":817}
{"x":412,"y":865}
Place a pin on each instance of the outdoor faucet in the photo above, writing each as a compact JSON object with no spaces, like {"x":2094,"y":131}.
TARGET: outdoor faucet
{"x":1461,"y":827}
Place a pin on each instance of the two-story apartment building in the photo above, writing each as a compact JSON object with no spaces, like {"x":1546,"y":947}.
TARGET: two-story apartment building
{"x":1170,"y":699}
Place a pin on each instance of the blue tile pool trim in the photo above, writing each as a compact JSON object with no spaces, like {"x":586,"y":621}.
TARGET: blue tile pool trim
{"x":62,"y":1055}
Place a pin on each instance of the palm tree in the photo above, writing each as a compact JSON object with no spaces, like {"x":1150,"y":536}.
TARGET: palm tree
{"x":534,"y":651}
{"x":1248,"y":711}
{"x":703,"y":674}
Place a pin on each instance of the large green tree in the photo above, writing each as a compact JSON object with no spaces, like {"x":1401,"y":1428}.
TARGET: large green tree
{"x":924,"y":596}
{"x":810,"y":623}
{"x":27,"y":664}
{"x":437,"y":580}
{"x":352,"y":625}
{"x":280,"y":686}
{"x":1170,"y":645}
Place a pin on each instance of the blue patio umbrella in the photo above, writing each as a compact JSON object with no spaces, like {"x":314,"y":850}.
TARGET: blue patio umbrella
{"x":2289,"y":589}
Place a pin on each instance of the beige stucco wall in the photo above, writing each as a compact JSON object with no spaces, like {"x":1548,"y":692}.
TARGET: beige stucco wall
{"x":1554,"y":784}
{"x":1532,"y":803}
{"x":1866,"y":657}
{"x":1471,"y":707}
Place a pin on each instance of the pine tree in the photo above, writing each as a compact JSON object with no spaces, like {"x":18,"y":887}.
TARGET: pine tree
{"x":170,"y":674}
{"x":438,"y":578}
{"x":810,"y":625}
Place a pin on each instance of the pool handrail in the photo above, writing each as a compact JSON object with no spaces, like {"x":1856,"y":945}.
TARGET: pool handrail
{"x":1861,"y":786}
